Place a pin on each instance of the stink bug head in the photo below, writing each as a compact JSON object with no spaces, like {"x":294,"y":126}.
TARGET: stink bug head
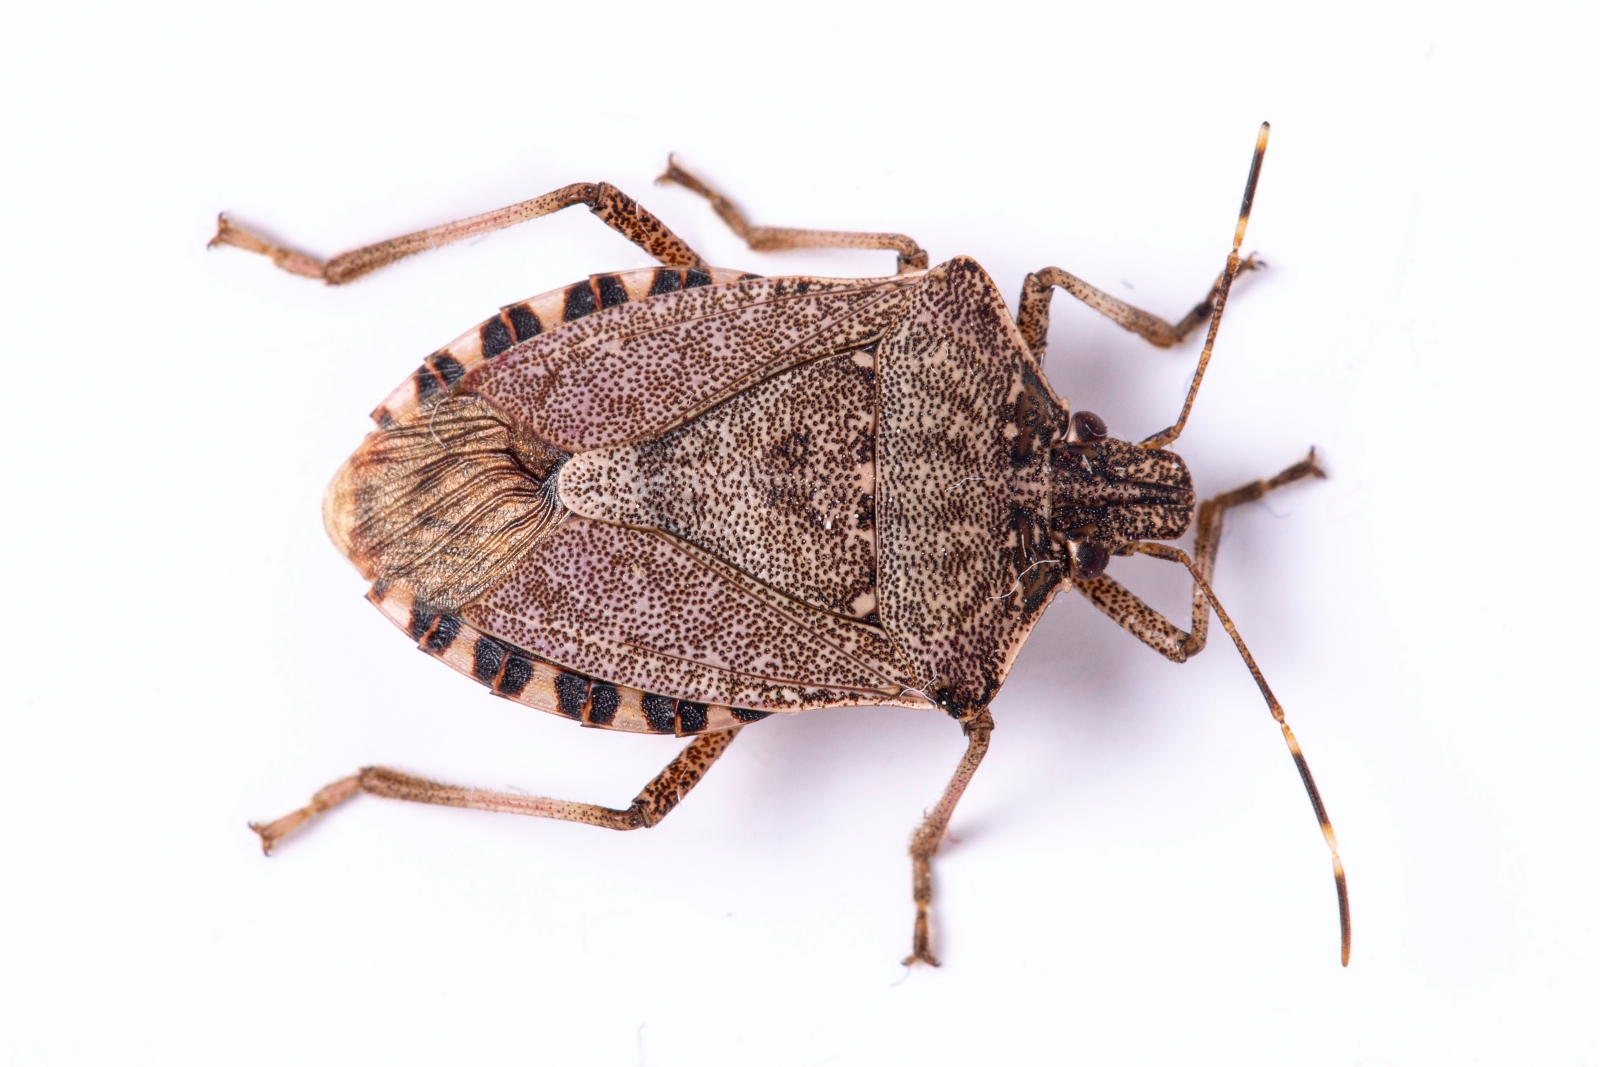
{"x":1107,"y":494}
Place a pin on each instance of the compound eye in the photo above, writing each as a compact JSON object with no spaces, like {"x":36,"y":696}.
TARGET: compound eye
{"x":1089,"y":560}
{"x":1087,"y":427}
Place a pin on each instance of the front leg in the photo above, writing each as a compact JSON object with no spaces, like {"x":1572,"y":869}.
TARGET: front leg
{"x":1033,"y":313}
{"x":1147,"y":624}
{"x":1033,"y":309}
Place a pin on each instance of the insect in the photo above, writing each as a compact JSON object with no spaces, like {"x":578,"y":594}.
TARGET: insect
{"x":681,"y":499}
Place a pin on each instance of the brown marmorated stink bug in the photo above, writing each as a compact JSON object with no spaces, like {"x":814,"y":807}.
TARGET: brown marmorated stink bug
{"x":680,"y":499}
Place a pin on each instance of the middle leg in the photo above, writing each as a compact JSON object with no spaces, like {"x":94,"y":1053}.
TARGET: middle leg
{"x":908,"y":254}
{"x":925,"y":842}
{"x":1147,"y":624}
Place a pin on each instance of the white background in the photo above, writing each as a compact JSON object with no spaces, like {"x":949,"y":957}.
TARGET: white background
{"x":1138,"y":877}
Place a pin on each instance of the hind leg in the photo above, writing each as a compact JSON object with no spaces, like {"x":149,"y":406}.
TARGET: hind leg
{"x":610,"y":204}
{"x":652,"y":804}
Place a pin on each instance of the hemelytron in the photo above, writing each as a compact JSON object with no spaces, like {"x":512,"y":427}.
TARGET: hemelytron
{"x":679,"y":500}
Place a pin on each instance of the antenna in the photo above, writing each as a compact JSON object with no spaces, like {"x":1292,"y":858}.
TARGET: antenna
{"x":1177,"y":555}
{"x":1219,"y":297}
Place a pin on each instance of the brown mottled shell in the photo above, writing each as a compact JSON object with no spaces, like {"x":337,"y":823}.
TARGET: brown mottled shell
{"x":675,"y":500}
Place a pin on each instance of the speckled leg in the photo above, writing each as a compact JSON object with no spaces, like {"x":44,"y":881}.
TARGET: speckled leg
{"x":908,"y":254}
{"x":1148,"y":625}
{"x":925,"y":842}
{"x":1033,"y":309}
{"x":614,"y":207}
{"x":648,"y":808}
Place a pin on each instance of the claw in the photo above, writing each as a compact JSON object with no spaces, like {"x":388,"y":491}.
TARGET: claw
{"x":285,"y":258}
{"x":331,"y":796}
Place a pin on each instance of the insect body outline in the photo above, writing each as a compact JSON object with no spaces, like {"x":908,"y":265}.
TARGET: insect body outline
{"x":683,"y":498}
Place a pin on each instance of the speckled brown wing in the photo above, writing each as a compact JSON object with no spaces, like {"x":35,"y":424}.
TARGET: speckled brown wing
{"x":518,"y":324}
{"x":637,"y":370}
{"x":722,"y":478}
{"x":451,"y":507}
{"x":644,"y":609}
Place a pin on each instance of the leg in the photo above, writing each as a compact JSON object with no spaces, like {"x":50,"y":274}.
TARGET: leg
{"x":648,"y":808}
{"x":1144,"y":622}
{"x":614,"y":207}
{"x":908,"y":254}
{"x":925,"y":842}
{"x":1033,"y":310}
